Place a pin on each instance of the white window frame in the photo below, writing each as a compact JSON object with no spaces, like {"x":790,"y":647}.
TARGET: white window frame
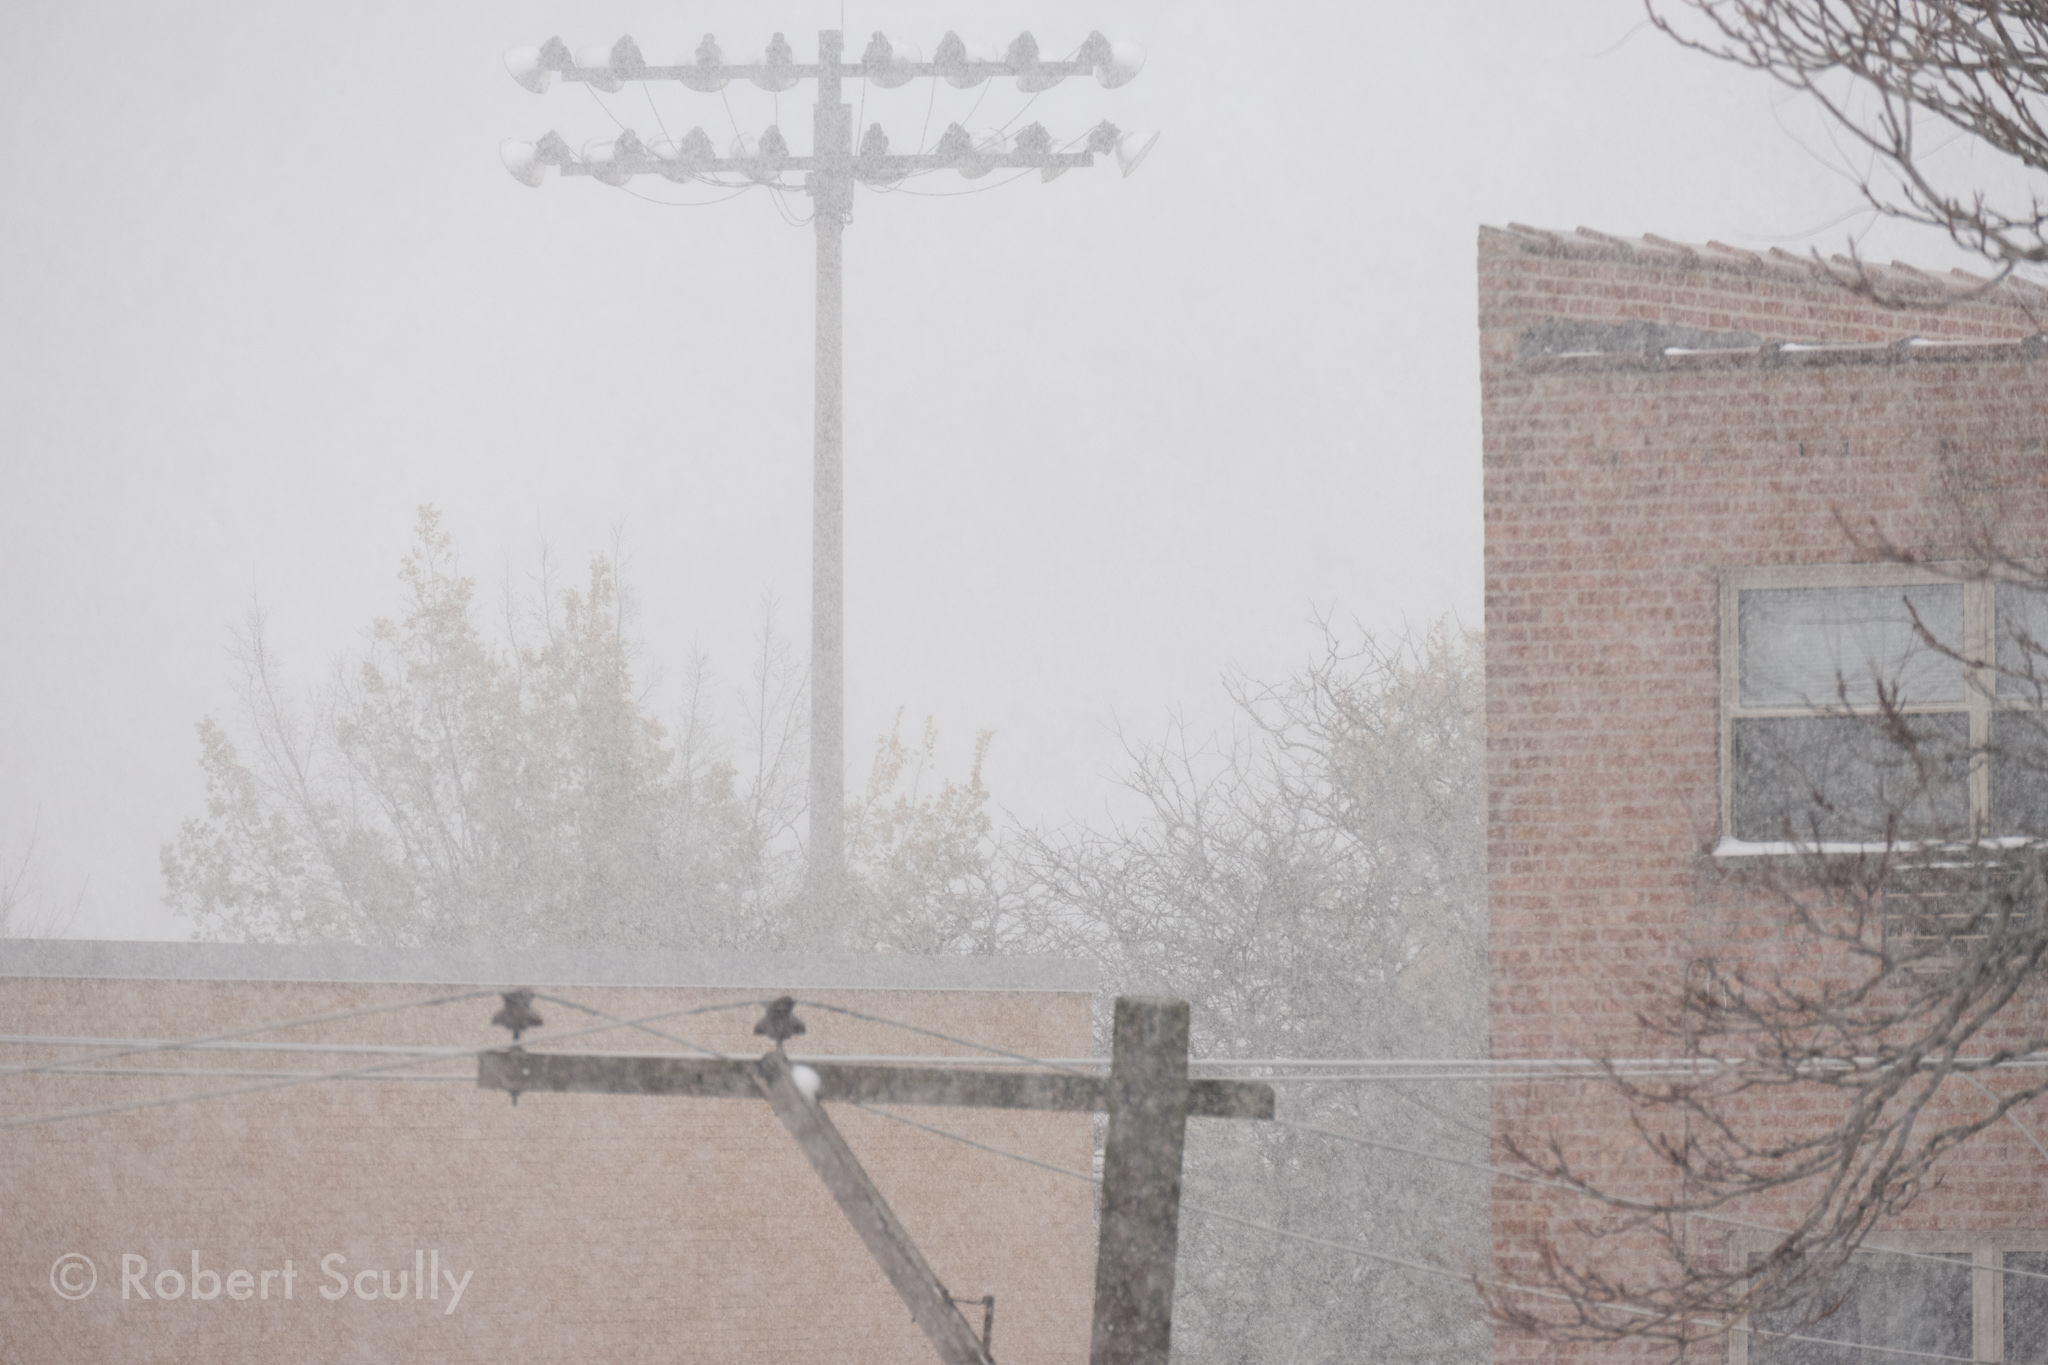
{"x":1979,"y":695}
{"x":1987,"y":1281}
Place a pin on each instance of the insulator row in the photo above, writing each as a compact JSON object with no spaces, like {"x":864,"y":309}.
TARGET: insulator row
{"x":956,"y":60}
{"x":763,"y":156}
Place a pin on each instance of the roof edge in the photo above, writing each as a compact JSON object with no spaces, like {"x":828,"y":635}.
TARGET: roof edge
{"x":1905,"y":281}
{"x":141,"y":960}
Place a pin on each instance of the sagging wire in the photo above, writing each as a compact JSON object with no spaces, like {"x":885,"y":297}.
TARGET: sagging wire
{"x":989,"y":1048}
{"x":102,"y":1110}
{"x":1567,"y":1186}
{"x":242,"y":1073}
{"x":1510,"y":1287}
{"x":789,"y":215}
{"x":353,"y":1073}
{"x":900,"y":186}
{"x":642,"y":1026}
{"x":330,"y":1017}
{"x":730,"y":117}
{"x":684,"y":203}
{"x":1992,"y":1095}
{"x":654,"y":109}
{"x":955,"y":194}
{"x":180,"y":1045}
{"x":970,"y":1142}
{"x":662,"y":124}
{"x":930,"y":102}
{"x":606,"y":107}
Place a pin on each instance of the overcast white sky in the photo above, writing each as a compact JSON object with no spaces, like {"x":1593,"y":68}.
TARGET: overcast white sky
{"x":265,"y":289}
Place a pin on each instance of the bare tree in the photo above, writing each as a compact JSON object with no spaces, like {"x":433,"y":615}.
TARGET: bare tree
{"x":21,"y":892}
{"x":1314,"y":885}
{"x":1901,"y":79}
{"x":1879,"y":1010}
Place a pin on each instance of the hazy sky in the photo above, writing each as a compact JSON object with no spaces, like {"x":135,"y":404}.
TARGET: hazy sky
{"x":265,"y":290}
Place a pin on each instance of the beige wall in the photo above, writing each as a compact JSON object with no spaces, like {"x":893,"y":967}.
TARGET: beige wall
{"x":591,"y":1227}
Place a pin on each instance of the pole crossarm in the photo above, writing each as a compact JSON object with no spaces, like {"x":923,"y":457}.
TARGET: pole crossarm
{"x":770,"y":74}
{"x":519,"y":1071}
{"x":885,"y":168}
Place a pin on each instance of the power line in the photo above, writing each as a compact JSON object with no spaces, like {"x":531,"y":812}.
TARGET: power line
{"x":643,"y":1025}
{"x":1533,"y":1291}
{"x":1572,"y":1188}
{"x":350,"y":1073}
{"x":330,"y":1017}
{"x":989,"y":1048}
{"x":243,"y":1073}
{"x":102,"y":1110}
{"x":978,"y":1146}
{"x":1505,"y":1286}
{"x":174,"y":1045}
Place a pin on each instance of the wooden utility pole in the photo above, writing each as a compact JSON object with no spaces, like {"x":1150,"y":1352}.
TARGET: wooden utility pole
{"x":1147,"y":1096}
{"x":1148,"y":1122}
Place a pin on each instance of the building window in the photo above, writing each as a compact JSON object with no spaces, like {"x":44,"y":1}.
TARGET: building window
{"x":1979,"y":1296}
{"x":1873,"y":704}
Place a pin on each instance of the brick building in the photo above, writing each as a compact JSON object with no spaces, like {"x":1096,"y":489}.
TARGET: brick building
{"x":1694,"y":457}
{"x":408,"y":1215}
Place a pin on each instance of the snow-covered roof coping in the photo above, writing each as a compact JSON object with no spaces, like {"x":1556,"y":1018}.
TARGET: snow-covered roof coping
{"x":1574,"y":343}
{"x":483,"y":966}
{"x":1894,"y":278}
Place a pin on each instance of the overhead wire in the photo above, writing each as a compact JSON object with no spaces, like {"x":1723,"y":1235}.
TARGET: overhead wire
{"x":274,"y":1026}
{"x":241,"y":1073}
{"x":260,"y":1081}
{"x":1569,"y":1187}
{"x":606,"y":107}
{"x":955,"y":194}
{"x":682,"y":203}
{"x":103,"y":1110}
{"x":1464,"y":1277}
{"x":989,"y":1048}
{"x":178,"y":1045}
{"x":350,"y":1073}
{"x":654,"y":109}
{"x":644,"y":1026}
{"x":1482,"y":1167}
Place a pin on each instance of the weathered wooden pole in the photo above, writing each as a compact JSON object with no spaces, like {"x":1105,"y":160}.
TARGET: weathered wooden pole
{"x":1148,"y":1121}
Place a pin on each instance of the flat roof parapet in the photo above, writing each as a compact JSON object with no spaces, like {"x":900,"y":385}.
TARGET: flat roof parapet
{"x":1896,"y":277}
{"x":489,"y":966}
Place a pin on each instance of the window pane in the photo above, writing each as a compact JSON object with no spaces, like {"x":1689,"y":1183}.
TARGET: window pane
{"x":1877,"y":1302}
{"x":2023,"y":643}
{"x":1848,"y":779}
{"x":2019,"y":772}
{"x":1824,"y":646}
{"x":2026,"y":1309}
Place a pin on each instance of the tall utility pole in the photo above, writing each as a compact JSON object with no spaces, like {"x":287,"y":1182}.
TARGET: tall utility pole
{"x":830,"y":174}
{"x":831,"y":187}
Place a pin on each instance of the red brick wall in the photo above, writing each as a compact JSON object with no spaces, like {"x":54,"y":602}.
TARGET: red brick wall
{"x":1615,"y":494}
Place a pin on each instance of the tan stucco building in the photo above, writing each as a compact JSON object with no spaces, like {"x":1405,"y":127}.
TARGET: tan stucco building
{"x":404,"y":1214}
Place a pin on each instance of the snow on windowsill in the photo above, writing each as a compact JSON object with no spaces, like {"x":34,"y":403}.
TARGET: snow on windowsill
{"x":1745,"y":848}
